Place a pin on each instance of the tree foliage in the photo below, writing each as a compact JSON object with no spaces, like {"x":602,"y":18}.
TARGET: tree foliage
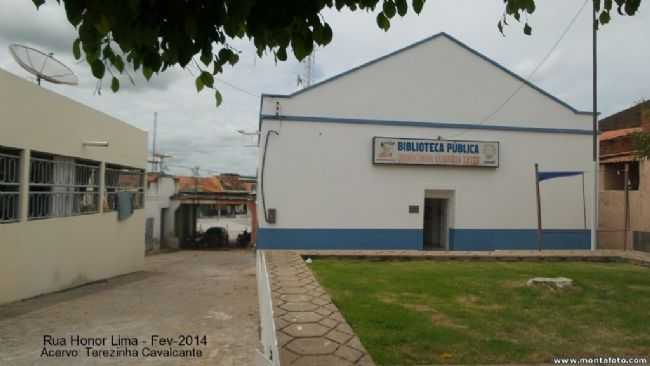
{"x":153,"y":35}
{"x":521,"y":9}
{"x":641,"y":144}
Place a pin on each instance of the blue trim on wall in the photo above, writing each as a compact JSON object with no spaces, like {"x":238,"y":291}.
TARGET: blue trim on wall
{"x":411,"y":239}
{"x":371,"y":239}
{"x":453,"y":39}
{"x":401,"y":123}
{"x":506,"y":239}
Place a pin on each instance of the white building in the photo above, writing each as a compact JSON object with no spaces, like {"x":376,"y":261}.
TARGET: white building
{"x":58,"y":196}
{"x":339,"y":168}
{"x":160,"y":212}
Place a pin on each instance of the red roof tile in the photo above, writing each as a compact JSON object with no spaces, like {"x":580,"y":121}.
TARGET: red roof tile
{"x":215,"y":184}
{"x":609,"y":135}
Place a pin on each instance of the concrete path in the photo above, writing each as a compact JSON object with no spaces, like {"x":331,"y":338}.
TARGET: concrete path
{"x":195,"y":293}
{"x":310,"y":329}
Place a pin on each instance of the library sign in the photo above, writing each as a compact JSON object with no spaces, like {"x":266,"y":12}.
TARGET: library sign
{"x":407,"y":151}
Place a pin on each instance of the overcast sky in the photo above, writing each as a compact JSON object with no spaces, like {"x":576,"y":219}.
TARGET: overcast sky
{"x":197,"y":134}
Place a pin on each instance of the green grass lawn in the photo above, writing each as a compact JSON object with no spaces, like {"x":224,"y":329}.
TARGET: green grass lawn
{"x":426,"y":312}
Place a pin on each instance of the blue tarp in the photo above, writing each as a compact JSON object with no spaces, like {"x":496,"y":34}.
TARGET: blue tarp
{"x":124,"y":205}
{"x":541,"y":176}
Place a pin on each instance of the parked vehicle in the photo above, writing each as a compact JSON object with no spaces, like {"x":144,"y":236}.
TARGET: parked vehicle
{"x":244,"y":238}
{"x":192,"y":242}
{"x":215,"y":237}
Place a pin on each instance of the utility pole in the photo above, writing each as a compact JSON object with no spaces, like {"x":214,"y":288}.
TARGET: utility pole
{"x":627,"y":206}
{"x":594,"y":216}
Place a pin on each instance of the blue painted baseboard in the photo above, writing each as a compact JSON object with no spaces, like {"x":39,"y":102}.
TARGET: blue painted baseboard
{"x":507,"y":239}
{"x":405,"y":239}
{"x":411,"y":239}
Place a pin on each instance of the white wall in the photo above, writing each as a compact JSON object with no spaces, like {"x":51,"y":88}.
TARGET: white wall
{"x":41,"y":256}
{"x":158,"y":197}
{"x":436,"y":81}
{"x":320,"y":175}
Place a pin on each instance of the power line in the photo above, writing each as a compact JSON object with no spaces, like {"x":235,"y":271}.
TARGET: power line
{"x":239,"y":88}
{"x":539,"y":66}
{"x":233,"y":86}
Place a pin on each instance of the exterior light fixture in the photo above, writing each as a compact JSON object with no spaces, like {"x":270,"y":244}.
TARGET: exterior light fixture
{"x":96,"y":143}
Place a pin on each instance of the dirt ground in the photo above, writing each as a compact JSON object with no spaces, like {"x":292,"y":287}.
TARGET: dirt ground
{"x":187,"y":293}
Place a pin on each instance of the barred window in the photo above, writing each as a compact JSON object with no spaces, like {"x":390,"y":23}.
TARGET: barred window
{"x":124,"y":179}
{"x":61,"y":186}
{"x":9,"y":185}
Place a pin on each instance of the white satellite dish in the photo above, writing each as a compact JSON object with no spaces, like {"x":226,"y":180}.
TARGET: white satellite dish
{"x":42,"y":65}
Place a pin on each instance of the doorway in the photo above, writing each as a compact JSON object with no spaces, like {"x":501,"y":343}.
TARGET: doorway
{"x":435,"y":223}
{"x":163,"y":229}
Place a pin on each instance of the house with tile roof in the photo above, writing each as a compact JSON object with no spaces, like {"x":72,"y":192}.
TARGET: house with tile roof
{"x":624,"y":205}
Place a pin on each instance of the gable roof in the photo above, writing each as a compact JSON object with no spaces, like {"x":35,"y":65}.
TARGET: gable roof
{"x":430,"y":38}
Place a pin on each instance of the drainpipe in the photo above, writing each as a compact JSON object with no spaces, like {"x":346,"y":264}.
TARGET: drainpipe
{"x":261,"y":191}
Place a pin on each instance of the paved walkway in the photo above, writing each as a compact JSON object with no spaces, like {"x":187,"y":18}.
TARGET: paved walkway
{"x":210,"y":293}
{"x":310,"y":329}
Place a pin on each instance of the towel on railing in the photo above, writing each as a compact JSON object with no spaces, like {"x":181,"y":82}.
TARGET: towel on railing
{"x":124,"y":205}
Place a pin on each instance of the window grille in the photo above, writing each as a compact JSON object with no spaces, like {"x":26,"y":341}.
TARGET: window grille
{"x":9,"y":185}
{"x":60,"y":187}
{"x":123,"y":179}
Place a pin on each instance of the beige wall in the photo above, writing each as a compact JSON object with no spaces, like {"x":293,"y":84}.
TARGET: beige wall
{"x":34,"y":118}
{"x":42,"y":256}
{"x":612,"y":211}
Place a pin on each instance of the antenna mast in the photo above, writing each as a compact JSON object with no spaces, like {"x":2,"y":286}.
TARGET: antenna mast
{"x":306,"y":79}
{"x":309,"y":65}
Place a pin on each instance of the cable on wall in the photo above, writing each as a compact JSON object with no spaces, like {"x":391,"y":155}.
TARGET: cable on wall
{"x":266,"y":145}
{"x":527,"y":79}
